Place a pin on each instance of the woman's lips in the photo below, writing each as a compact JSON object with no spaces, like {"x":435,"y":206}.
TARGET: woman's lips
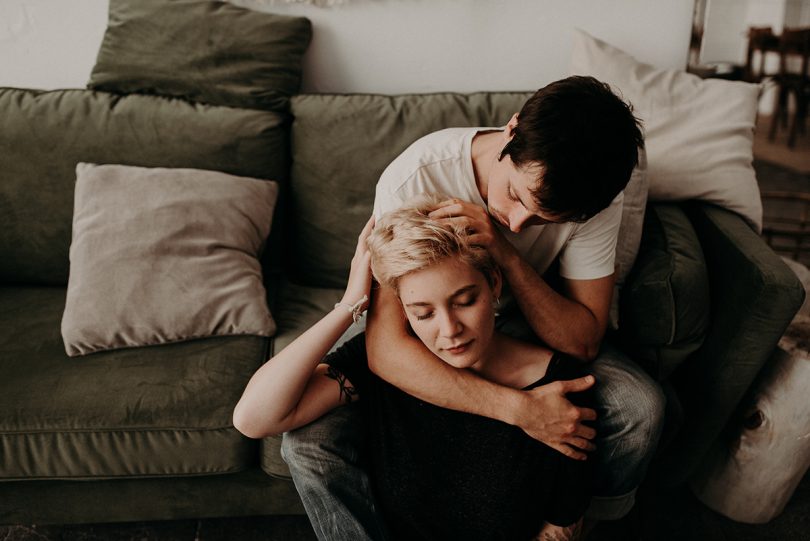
{"x":461,"y":348}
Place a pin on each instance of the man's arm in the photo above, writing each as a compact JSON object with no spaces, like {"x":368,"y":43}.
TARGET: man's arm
{"x":573,"y":323}
{"x":402,"y":360}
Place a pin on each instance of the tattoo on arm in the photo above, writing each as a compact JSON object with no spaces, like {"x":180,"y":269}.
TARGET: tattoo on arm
{"x":347,"y":392}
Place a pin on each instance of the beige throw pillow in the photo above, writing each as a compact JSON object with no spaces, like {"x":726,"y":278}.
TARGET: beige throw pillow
{"x":699,"y":133}
{"x":165,"y":255}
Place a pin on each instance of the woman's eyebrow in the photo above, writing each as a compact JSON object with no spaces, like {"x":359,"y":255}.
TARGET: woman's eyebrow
{"x":456,"y":293}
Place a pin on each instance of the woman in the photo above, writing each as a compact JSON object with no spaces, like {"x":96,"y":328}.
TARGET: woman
{"x":437,"y":473}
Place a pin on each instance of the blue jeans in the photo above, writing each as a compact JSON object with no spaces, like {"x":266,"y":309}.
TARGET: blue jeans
{"x":334,"y":487}
{"x":324,"y":459}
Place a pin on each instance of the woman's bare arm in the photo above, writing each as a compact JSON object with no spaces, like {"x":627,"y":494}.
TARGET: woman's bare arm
{"x":290,"y":389}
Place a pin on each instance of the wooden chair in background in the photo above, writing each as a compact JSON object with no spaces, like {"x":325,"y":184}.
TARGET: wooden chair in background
{"x":761,"y":40}
{"x":794,"y":46}
{"x":786,"y":223}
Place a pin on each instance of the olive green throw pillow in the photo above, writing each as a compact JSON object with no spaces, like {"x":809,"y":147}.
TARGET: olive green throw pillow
{"x":165,"y":255}
{"x":210,"y":52}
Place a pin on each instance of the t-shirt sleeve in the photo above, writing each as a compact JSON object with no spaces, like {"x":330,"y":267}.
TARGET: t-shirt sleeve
{"x":350,"y":360}
{"x":573,"y":478}
{"x":590,"y":252}
{"x":385,"y":199}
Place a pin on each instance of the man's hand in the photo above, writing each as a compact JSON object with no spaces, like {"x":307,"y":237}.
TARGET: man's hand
{"x":550,"y":532}
{"x":549,"y":417}
{"x":474,"y":218}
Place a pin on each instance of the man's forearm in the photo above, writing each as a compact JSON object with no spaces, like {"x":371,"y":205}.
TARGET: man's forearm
{"x":563,"y":324}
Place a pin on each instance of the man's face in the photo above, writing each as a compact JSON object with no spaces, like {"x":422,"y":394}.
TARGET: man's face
{"x":509,"y":195}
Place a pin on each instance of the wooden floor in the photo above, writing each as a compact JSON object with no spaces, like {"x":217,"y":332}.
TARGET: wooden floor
{"x":777,"y":151}
{"x":671,"y":516}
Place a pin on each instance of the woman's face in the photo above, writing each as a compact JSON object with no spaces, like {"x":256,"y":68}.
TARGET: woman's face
{"x":449,"y":307}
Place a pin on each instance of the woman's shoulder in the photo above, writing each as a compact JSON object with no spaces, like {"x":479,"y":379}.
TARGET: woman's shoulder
{"x":563,"y":366}
{"x":520,"y":363}
{"x":560,"y":367}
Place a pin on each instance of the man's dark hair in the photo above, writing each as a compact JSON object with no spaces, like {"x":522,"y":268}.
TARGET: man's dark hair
{"x":587,"y":141}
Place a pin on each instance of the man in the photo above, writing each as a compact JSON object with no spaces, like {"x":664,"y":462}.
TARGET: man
{"x":547,"y":188}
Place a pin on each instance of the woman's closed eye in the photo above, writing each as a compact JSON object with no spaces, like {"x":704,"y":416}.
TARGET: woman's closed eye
{"x":462,"y":303}
{"x":467,"y":301}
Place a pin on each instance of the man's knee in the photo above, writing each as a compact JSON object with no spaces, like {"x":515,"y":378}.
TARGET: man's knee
{"x":630,"y":409}
{"x":632,"y":402}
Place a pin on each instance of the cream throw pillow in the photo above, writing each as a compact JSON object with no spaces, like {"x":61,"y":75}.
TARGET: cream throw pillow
{"x":164,"y":255}
{"x":698,"y":133}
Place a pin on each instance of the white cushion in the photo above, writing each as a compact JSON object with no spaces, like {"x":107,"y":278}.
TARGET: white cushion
{"x":699,"y":133}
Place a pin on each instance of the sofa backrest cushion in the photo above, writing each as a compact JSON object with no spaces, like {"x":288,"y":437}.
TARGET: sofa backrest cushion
{"x":665,"y":304}
{"x":340,"y":147}
{"x":205,"y":51}
{"x":45,"y":134}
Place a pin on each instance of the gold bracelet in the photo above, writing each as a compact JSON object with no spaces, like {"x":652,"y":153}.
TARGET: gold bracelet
{"x":356,"y":309}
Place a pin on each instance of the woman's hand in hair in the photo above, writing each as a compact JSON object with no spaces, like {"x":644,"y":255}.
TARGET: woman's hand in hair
{"x":475,"y":219}
{"x":360,"y":275}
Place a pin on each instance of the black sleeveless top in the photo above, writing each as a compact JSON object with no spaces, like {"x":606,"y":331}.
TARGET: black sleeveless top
{"x":442,"y":474}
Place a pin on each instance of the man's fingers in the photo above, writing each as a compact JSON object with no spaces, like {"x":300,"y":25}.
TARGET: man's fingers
{"x":585,"y":431}
{"x":451,"y":208}
{"x":569,"y":451}
{"x":587,"y":414}
{"x":462,"y":222}
{"x":577,"y":385}
{"x":582,"y":444}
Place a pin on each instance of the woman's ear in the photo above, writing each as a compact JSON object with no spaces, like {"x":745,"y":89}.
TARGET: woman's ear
{"x":497,"y":282}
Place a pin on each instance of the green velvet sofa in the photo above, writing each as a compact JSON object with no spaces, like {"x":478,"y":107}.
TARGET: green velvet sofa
{"x":145,"y":433}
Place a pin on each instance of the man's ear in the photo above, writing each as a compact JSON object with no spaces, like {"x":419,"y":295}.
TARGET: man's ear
{"x":511,"y":125}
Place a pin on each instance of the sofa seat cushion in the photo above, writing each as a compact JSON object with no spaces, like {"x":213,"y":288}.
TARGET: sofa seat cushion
{"x":297,"y":308}
{"x":152,"y":411}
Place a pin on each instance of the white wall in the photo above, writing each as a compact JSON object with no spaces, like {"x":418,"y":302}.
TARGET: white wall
{"x":49,"y":43}
{"x":385,"y":46}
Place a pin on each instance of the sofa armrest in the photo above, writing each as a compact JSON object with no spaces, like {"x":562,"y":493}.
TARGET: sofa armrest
{"x":753,"y":296}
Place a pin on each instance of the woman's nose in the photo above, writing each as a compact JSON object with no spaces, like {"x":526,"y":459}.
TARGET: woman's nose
{"x":449,"y":325}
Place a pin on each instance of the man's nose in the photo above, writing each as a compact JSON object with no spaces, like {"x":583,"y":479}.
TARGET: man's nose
{"x":519,"y":218}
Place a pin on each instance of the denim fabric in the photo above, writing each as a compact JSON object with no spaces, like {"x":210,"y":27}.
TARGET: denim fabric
{"x":324,"y":460}
{"x":630,"y":417}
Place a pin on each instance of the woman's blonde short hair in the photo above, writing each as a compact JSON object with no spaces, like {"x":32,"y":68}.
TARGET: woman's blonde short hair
{"x":407,"y":240}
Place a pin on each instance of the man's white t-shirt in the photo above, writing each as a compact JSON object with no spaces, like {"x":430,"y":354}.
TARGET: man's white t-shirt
{"x":441,"y":162}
